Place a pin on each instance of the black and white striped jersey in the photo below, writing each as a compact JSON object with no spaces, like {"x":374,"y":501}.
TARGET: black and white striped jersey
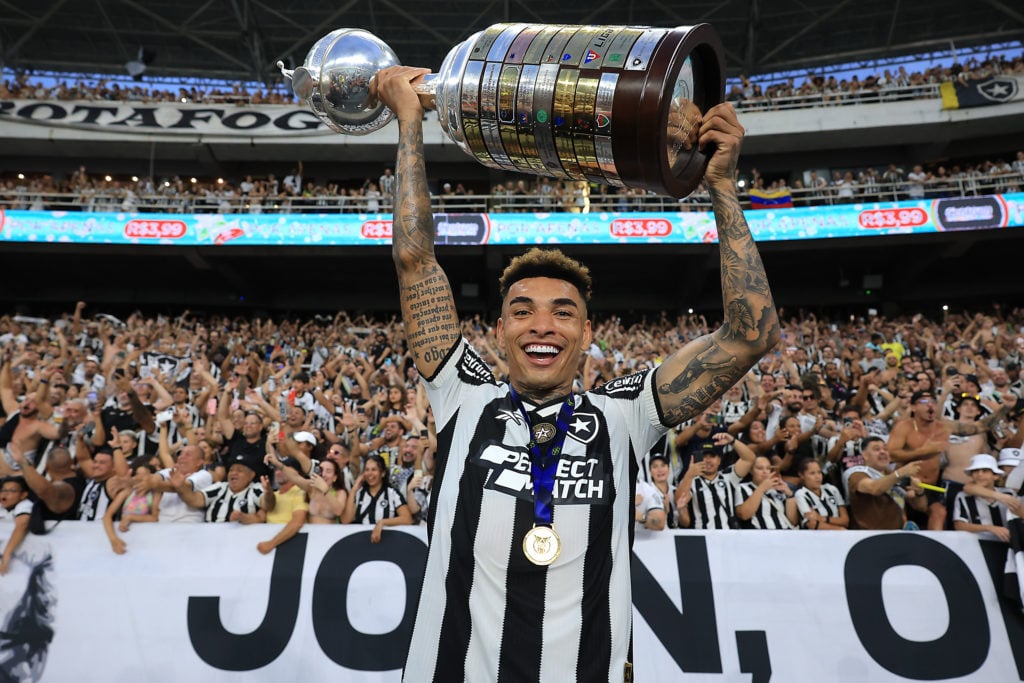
{"x":974,"y":510}
{"x":826,"y":505}
{"x":95,"y":501}
{"x":771,"y":514}
{"x":370,"y":508}
{"x":486,"y":613}
{"x":221,"y":501}
{"x":195,"y":419}
{"x":713,"y":501}
{"x":733,"y":412}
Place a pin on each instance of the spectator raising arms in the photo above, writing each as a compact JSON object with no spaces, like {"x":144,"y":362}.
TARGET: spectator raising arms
{"x":879,"y":496}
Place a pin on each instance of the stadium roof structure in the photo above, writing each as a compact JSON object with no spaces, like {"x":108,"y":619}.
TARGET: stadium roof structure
{"x":242,"y":39}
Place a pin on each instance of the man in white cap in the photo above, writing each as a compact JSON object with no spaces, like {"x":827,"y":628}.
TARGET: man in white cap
{"x":1011,"y":494}
{"x":88,"y":376}
{"x":302,"y":450}
{"x":974,"y":513}
{"x":1009,"y":458}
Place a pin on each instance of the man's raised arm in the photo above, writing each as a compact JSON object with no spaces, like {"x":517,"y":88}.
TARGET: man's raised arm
{"x":428,"y":308}
{"x":694,"y":376}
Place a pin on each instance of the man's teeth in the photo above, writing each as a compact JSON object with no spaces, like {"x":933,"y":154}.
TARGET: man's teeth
{"x":542,"y":348}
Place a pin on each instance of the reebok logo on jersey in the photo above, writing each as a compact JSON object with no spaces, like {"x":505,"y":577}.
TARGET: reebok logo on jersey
{"x":510,"y":415}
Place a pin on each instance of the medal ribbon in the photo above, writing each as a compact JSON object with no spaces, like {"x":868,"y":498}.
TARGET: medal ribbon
{"x":543,"y":466}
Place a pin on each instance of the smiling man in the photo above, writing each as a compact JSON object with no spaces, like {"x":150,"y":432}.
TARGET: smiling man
{"x":528,"y":571}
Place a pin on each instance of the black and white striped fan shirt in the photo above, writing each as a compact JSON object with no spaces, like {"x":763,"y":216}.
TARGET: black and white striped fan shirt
{"x":826,"y":505}
{"x":220,"y":501}
{"x":974,"y":510}
{"x":95,"y":501}
{"x":486,"y":613}
{"x":771,"y":514}
{"x":713,"y":501}
{"x":370,"y":509}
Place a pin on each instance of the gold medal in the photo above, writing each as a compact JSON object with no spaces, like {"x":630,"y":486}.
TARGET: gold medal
{"x":542,"y":545}
{"x":543,"y":432}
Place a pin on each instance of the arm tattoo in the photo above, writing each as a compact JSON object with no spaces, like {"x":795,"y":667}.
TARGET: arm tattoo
{"x":413,"y":233}
{"x":992,"y":418}
{"x":749,"y":310}
{"x":706,"y":377}
{"x":428,"y":308}
{"x":706,"y":368}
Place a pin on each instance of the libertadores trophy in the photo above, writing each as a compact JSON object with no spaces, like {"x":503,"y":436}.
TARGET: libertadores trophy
{"x":609,"y":104}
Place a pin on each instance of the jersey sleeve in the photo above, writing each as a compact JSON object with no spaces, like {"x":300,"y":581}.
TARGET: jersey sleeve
{"x":743,"y":491}
{"x":803,"y":501}
{"x":856,"y":475}
{"x":460,"y":370}
{"x":254,"y":499}
{"x":23,"y":507}
{"x":632,"y":397}
{"x":200,"y":480}
{"x":211,"y":491}
{"x":652,"y":498}
{"x":960,"y":512}
{"x":840,"y":500}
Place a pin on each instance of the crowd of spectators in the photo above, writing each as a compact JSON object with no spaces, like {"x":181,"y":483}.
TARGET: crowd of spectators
{"x":88,"y":192}
{"x":105,"y":90}
{"x":894,"y":183}
{"x":870,"y":423}
{"x":84,"y":191}
{"x":818,"y":89}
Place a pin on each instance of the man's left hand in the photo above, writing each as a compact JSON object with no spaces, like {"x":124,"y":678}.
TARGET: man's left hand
{"x":721,"y":132}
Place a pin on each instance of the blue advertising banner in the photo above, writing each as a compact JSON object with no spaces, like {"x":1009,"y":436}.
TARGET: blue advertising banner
{"x":683,"y":227}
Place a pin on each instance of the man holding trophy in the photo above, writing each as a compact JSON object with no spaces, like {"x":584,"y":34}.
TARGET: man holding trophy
{"x":528,"y":570}
{"x":528,"y":575}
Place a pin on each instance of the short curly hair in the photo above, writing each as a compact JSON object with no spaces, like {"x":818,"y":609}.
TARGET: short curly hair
{"x":550,"y":263}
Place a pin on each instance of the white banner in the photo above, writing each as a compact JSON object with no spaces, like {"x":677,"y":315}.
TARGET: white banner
{"x":199,"y":603}
{"x":168,"y":118}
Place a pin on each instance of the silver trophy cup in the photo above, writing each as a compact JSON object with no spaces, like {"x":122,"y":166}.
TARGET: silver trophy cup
{"x":608,"y":104}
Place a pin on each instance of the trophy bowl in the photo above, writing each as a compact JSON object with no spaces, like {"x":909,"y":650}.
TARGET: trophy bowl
{"x":335,"y":80}
{"x":616,"y":105}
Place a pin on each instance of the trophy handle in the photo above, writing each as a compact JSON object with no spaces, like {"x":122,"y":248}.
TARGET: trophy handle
{"x":426,"y":87}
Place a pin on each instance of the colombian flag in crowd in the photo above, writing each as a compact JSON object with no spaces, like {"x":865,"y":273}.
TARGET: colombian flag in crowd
{"x":765,"y":199}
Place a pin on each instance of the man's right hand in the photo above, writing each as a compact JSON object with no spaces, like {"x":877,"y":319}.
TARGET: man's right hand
{"x":393,"y":87}
{"x":177,"y":478}
{"x":141,"y":483}
{"x":17,"y":454}
{"x":908,"y":470}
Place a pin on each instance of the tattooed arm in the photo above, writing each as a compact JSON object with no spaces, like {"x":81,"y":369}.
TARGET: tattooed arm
{"x":428,"y":308}
{"x":694,"y":376}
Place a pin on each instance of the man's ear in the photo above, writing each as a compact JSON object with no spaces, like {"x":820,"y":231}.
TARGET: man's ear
{"x":588,"y":336}
{"x":499,"y":337}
